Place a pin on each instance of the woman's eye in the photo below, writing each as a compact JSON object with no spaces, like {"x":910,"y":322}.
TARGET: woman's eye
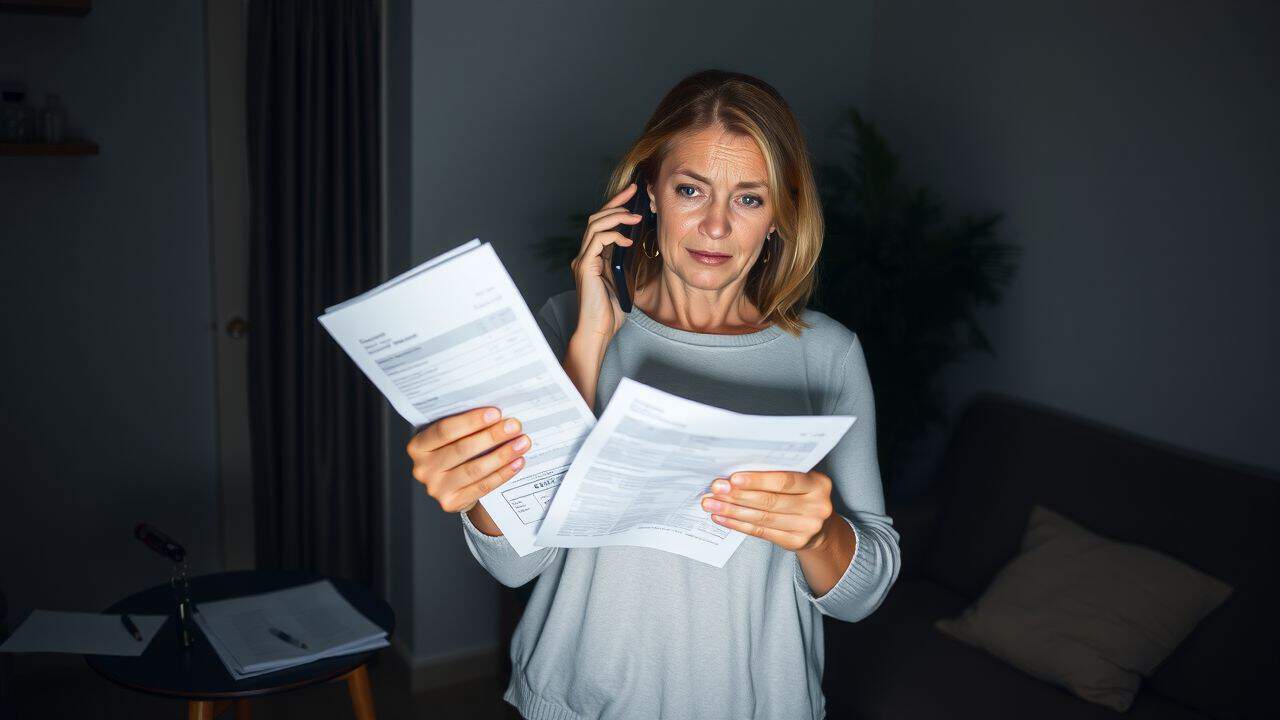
{"x":751,"y":201}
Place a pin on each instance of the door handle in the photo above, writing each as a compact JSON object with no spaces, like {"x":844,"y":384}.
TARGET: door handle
{"x":237,"y":327}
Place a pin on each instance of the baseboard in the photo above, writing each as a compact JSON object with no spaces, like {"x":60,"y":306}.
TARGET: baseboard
{"x":441,"y":671}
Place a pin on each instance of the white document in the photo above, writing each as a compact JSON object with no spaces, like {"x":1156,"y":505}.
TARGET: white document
{"x":454,"y":334}
{"x":639,"y":477}
{"x":82,"y":633}
{"x":316,"y":614}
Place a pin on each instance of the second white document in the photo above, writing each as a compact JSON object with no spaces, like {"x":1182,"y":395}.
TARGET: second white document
{"x":639,"y":477}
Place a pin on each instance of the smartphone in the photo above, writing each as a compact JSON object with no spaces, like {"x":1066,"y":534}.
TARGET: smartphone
{"x":638,"y":205}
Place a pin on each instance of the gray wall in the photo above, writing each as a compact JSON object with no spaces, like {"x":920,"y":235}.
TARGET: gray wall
{"x":1133,"y":148}
{"x":104,"y":280}
{"x":517,"y":112}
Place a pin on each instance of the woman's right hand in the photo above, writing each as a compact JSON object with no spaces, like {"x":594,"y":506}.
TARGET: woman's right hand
{"x":447,"y":456}
{"x":598,"y":309}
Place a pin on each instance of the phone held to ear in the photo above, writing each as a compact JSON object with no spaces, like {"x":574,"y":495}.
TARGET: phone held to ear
{"x":638,"y":205}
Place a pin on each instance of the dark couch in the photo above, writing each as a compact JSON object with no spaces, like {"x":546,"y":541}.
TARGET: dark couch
{"x":1006,"y":455}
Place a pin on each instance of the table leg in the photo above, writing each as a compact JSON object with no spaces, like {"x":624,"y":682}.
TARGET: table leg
{"x":361,"y":694}
{"x":210,"y":709}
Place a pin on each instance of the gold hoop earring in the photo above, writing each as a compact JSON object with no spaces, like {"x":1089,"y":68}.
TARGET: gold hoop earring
{"x":645,"y":248}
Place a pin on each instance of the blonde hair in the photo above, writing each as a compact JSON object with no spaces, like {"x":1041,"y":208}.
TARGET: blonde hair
{"x":781,"y":287}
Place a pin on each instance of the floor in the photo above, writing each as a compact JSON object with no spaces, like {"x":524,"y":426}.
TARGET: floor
{"x":75,"y":691}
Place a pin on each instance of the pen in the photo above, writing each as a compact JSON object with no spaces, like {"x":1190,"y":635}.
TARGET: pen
{"x":133,"y":629}
{"x":287,"y":638}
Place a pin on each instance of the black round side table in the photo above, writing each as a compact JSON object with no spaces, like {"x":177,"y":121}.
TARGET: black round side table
{"x":197,"y":675}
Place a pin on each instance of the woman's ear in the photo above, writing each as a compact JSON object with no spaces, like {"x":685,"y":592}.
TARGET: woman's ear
{"x":653,"y":200}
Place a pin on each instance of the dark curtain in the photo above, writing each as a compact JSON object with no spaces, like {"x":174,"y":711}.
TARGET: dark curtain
{"x":314,"y":167}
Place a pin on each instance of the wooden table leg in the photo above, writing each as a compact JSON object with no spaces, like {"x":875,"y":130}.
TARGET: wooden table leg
{"x":361,"y":694}
{"x":210,"y":709}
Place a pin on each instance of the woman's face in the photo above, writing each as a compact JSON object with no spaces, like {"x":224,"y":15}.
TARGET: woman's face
{"x":713,"y":205}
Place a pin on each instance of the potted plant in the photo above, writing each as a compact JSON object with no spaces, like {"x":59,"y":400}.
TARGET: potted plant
{"x":907,"y":280}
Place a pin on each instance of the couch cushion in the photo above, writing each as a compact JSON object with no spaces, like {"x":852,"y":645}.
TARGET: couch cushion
{"x":1006,"y":455}
{"x":1087,"y":613}
{"x":895,"y":664}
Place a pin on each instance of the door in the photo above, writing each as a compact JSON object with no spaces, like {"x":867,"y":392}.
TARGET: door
{"x":229,"y":218}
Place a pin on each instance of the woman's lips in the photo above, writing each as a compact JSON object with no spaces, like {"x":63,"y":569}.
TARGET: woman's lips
{"x":709,"y":258}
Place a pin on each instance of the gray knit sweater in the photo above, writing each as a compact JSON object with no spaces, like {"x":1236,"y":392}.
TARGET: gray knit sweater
{"x":640,"y":634}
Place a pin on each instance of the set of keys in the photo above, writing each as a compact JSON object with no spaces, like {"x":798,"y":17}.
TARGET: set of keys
{"x":179,"y":581}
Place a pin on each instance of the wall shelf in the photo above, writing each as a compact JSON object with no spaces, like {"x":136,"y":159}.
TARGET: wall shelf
{"x":70,"y":147}
{"x":47,"y":7}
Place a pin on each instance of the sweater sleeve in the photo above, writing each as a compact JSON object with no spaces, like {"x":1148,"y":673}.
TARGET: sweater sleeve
{"x":502,"y":561}
{"x":855,"y":473}
{"x":495,"y":554}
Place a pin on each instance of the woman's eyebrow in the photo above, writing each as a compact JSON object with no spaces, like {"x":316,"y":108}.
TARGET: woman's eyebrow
{"x":743,"y":184}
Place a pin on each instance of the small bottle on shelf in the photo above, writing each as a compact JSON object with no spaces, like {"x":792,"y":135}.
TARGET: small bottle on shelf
{"x":53,"y":120}
{"x":15,"y":117}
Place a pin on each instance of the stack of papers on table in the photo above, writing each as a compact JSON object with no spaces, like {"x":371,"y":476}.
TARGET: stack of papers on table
{"x":240,"y":629}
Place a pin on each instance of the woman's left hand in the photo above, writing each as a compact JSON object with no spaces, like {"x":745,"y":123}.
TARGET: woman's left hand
{"x":789,"y":509}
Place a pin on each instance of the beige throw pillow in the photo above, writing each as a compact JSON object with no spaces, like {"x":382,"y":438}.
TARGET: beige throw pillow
{"x":1085,"y":612}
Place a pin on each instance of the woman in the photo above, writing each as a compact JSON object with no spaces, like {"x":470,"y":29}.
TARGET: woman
{"x":719,"y":317}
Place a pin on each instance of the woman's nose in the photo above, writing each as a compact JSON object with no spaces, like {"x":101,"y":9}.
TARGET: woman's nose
{"x":715,"y":224}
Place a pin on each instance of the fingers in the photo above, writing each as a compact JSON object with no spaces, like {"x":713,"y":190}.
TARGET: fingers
{"x":459,"y":488}
{"x":788,"y":522}
{"x":623,"y":195}
{"x":778,"y":481}
{"x":780,"y":538}
{"x":606,"y":212}
{"x":463,"y":449}
{"x":466,"y":496}
{"x":759,"y":499}
{"x":786,"y":508}
{"x":615,"y":203}
{"x":448,"y":429}
{"x":608,"y":219}
{"x":599,"y":232}
{"x":450,"y":459}
{"x":592,"y":259}
{"x":816,"y":502}
{"x":479,"y":468}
